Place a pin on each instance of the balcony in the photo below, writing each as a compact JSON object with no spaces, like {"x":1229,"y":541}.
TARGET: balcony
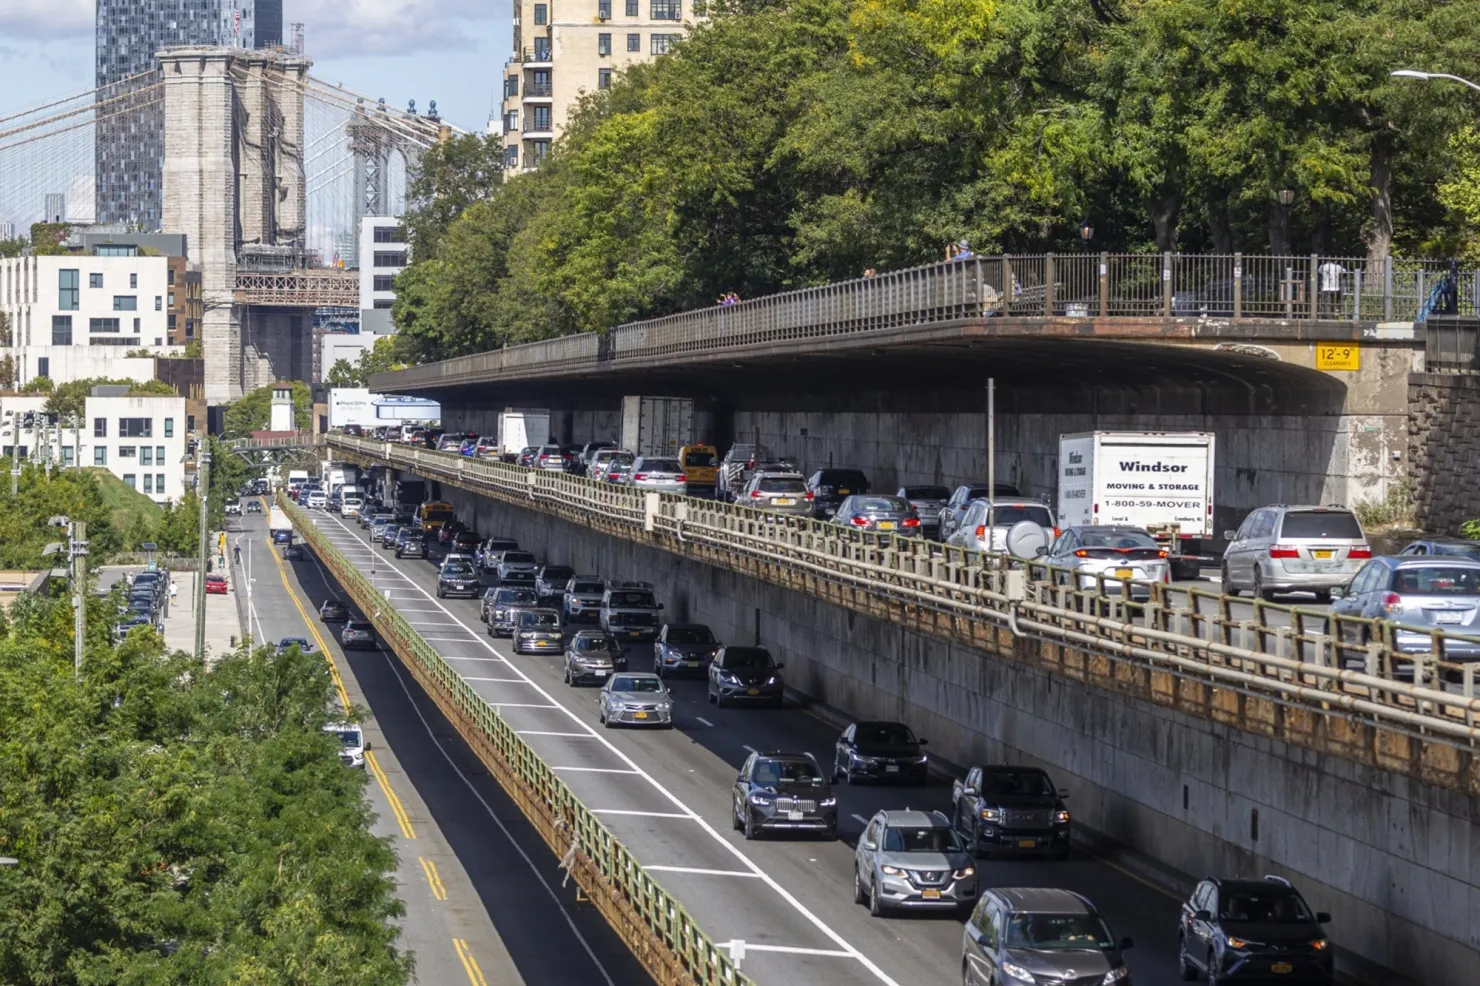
{"x":538,"y":130}
{"x":537,"y":56}
{"x":540,"y":91}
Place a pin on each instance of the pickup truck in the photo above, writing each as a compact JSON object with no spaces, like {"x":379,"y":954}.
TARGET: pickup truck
{"x":1001,"y":808}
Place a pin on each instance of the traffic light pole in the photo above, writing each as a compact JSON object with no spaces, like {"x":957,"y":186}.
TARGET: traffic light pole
{"x":202,"y":491}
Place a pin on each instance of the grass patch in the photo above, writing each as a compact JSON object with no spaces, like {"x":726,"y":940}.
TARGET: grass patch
{"x":127,"y":507}
{"x":1394,"y":510}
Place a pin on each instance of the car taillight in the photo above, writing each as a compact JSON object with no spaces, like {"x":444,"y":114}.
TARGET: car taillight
{"x":912,"y":522}
{"x":1056,"y":532}
{"x":1284,"y":551}
{"x":640,"y":475}
{"x":809,"y":495}
{"x":1364,"y":552}
{"x":860,"y":521}
{"x":755,"y":494}
{"x":981,"y":530}
{"x":1080,"y":553}
{"x":681,"y":478}
{"x":1161,"y":554}
{"x":1392,"y":603}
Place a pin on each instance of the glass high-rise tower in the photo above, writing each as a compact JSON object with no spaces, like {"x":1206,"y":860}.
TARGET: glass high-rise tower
{"x":129,"y":145}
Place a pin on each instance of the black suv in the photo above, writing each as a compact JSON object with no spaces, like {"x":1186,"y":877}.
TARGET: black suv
{"x":1252,"y":929}
{"x":1040,"y":935}
{"x":783,"y":792}
{"x":1009,"y":809}
{"x":458,"y":578}
{"x":882,"y":751}
{"x":830,"y":487}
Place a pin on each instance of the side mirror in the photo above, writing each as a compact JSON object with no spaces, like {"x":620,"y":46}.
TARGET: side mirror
{"x":780,"y":666}
{"x":970,"y":792}
{"x":1323,"y":917}
{"x":1338,"y":592}
{"x":871,"y":846}
{"x":1230,"y":535}
{"x":1127,"y":943}
{"x":1063,"y":792}
{"x":1203,"y":915}
{"x":924,"y":742}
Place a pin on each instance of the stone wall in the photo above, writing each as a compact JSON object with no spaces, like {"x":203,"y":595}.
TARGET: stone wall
{"x":1395,"y":860}
{"x":1444,"y":436}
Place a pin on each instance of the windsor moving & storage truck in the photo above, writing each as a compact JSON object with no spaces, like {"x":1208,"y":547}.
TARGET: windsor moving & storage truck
{"x":1159,"y":481}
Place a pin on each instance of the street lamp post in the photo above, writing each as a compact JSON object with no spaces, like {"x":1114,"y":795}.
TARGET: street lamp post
{"x":1408,"y":73}
{"x":202,"y":492}
{"x":1086,"y":233}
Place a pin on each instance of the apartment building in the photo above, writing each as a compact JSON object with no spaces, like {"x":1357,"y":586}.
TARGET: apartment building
{"x":382,"y":256}
{"x":564,"y":49}
{"x":79,"y":299}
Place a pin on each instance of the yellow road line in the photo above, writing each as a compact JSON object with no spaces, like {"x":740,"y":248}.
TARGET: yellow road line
{"x":470,"y":965}
{"x":433,"y":879}
{"x":402,"y":819}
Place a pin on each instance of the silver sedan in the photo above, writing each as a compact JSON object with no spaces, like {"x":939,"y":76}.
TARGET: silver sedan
{"x":658,"y":475}
{"x":1115,"y":554}
{"x":886,"y":514}
{"x":635,"y":699}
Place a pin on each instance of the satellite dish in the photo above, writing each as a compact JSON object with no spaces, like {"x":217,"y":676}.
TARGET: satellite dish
{"x":1025,"y":538}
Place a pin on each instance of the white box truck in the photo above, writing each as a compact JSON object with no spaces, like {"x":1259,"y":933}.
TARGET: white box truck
{"x":656,"y":425}
{"x":519,"y":428}
{"x":1159,"y":481}
{"x":280,"y":528}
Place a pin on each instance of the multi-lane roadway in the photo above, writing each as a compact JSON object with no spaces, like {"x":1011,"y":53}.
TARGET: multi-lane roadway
{"x":666,"y":794}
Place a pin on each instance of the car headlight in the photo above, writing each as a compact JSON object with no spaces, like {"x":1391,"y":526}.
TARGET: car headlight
{"x":1017,"y":972}
{"x":828,"y":802}
{"x":1115,"y":975}
{"x":1235,"y":942}
{"x":888,"y":870}
{"x":760,"y":799}
{"x":526,"y":634}
{"x":773,"y":680}
{"x":921,"y":759}
{"x":1320,"y":944}
{"x":1061,"y":817}
{"x":991,"y":815}
{"x":728,"y":678}
{"x":860,"y":758}
{"x":665,"y":706}
{"x":964,"y":872}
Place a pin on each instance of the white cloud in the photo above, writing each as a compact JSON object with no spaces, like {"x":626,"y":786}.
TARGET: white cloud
{"x":45,"y":18}
{"x":338,"y":28}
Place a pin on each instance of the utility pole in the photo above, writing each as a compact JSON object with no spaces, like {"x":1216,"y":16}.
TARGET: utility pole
{"x":202,"y":491}
{"x":78,"y":537}
{"x":991,"y":462}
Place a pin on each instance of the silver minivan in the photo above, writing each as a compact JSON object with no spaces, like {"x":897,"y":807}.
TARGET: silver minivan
{"x":1283,"y":548}
{"x":658,"y":474}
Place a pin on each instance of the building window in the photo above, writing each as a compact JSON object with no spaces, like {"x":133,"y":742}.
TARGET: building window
{"x":67,"y":456}
{"x":136,"y":326}
{"x":158,"y":303}
{"x":100,"y":427}
{"x":541,"y":14}
{"x":135,"y":427}
{"x":130,"y":303}
{"x":61,"y":330}
{"x":148,"y":482}
{"x":390,"y":234}
{"x":511,"y":156}
{"x":169,"y":427}
{"x":666,"y":10}
{"x":169,"y":278}
{"x":190,"y":328}
{"x":383,"y":303}
{"x":189,"y":424}
{"x":632,"y":8}
{"x":100,"y":455}
{"x":539,"y":119}
{"x":43,"y":366}
{"x":603,"y":78}
{"x":146,"y":456}
{"x":663,"y":43}
{"x":604,"y":9}
{"x":388,"y":259}
{"x":511,"y":86}
{"x":538,"y":151}
{"x":127,"y":452}
{"x":634,"y":42}
{"x":171,"y":321}
{"x":133,"y":282}
{"x":603,"y":44}
{"x":172,"y":299}
{"x":511,"y":122}
{"x":385,"y":282}
{"x":128,"y":480}
{"x":102,"y":325}
{"x":159,"y":455}
{"x":69,"y":296}
{"x":95,"y":280}
{"x":159,"y":483}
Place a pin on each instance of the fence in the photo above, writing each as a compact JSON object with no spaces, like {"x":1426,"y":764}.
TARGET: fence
{"x":658,"y":929}
{"x":1326,"y":664}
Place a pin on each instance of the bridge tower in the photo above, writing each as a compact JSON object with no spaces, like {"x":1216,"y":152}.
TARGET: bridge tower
{"x":374,"y":136}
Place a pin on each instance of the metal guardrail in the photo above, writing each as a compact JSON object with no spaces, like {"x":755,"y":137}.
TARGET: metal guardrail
{"x":1324,"y":663}
{"x":549,"y":355}
{"x":279,"y":441}
{"x":655,"y":925}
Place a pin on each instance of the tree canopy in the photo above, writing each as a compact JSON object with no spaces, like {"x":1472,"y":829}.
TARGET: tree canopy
{"x":384,"y":355}
{"x":253,"y":412}
{"x":780,"y":146}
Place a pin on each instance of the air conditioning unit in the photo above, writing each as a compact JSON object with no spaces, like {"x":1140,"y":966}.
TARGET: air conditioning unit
{"x":604,"y":15}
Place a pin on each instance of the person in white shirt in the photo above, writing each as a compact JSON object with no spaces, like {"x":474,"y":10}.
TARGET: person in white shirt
{"x":1329,"y":275}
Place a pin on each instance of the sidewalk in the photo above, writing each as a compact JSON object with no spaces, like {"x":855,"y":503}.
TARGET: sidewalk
{"x":223,"y":622}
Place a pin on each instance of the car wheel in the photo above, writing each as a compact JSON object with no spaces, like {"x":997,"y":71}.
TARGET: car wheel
{"x":752,"y":831}
{"x":567,"y":677}
{"x":1212,"y":967}
{"x":441,"y":594}
{"x":719,"y":700}
{"x":859,"y":895}
{"x":1323,"y":596}
{"x":875,"y":905}
{"x":710,"y":696}
{"x":1185,"y":968}
{"x":735,"y":822}
{"x":1259,"y":591}
{"x":1227,"y":581}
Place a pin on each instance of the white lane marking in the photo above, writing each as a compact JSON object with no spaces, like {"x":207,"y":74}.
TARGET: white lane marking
{"x":481,"y":660}
{"x":446,"y":640}
{"x":708,"y":829}
{"x":596,"y":770}
{"x":861,"y":819}
{"x":500,"y":681}
{"x":636,"y":814}
{"x":790,"y":950}
{"x":704,"y":721}
{"x":701,"y":872}
{"x":538,"y":732}
{"x":521,"y":705}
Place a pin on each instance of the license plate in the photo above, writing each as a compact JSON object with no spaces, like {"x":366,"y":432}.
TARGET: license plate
{"x":845,"y":492}
{"x":1281,"y":968}
{"x":1124,"y":573}
{"x":754,"y":691}
{"x":930,"y":894}
{"x":635,"y":633}
{"x":639,"y":715}
{"x":1027,"y":843}
{"x":891,"y":769}
{"x":794,"y":816}
{"x":886,"y":525}
{"x":784,"y":501}
{"x":1326,"y":553}
{"x":542,"y":643}
{"x":1449,"y":617}
{"x":599,"y":674}
{"x":691,"y":664}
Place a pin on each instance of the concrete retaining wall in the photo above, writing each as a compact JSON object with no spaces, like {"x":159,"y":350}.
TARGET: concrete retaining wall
{"x":1444,"y":433}
{"x":1397,"y":862}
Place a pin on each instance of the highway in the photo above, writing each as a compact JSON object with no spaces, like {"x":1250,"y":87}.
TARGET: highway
{"x":666,"y":794}
{"x":484,"y":905}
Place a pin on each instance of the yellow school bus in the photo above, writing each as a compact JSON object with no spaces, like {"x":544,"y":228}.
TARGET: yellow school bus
{"x":433,"y":514}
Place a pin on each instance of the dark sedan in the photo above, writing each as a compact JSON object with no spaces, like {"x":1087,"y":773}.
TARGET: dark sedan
{"x":884,"y":514}
{"x":830,"y":487}
{"x":410,"y":545}
{"x":882,"y":751}
{"x":333,"y":611}
{"x":928,"y":502}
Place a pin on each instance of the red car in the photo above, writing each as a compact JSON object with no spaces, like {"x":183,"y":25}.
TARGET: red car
{"x":216,"y":584}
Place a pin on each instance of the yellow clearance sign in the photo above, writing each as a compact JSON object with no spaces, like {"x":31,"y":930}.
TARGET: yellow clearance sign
{"x":1338,"y":356}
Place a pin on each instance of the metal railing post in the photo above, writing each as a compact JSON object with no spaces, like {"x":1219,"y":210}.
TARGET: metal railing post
{"x":1166,"y":284}
{"x":1287,"y":288}
{"x":1007,"y":283}
{"x":1387,"y":289}
{"x":1357,"y":294}
{"x":1313,"y":297}
{"x":1048,"y":278}
{"x":1104,"y":284}
{"x":1238,"y":285}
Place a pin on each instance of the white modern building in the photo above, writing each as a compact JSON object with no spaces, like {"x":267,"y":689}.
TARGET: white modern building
{"x":383,"y":255}
{"x":77,"y":299}
{"x":141,"y":440}
{"x":63,"y":364}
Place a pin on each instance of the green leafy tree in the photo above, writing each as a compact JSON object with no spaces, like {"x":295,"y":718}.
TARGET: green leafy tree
{"x":12,"y":248}
{"x":179,"y":531}
{"x":343,"y":374}
{"x":37,"y":385}
{"x":450,"y":176}
{"x":253,"y":412}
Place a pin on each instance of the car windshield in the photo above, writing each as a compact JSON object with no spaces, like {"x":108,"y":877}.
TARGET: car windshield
{"x":842,"y":477}
{"x":881,"y":505}
{"x":556,"y":573}
{"x":648,"y":685}
{"x":516,"y":596}
{"x":660,"y":465}
{"x":587,"y":588}
{"x":748,"y":657}
{"x":1017,"y":782}
{"x":539,"y":620}
{"x":929,"y":839}
{"x":884,"y":734}
{"x":357,"y":625}
{"x":1264,"y":907}
{"x":787,"y":772}
{"x":781,"y":486}
{"x":349,"y":737}
{"x":699,"y":459}
{"x":640,"y":599}
{"x":1054,"y":932}
{"x":294,"y":642}
{"x":1437,"y":581}
{"x":1321,"y":524}
{"x":1008,"y":514}
{"x":925,"y":493}
{"x":690,"y":635}
{"x":457,"y":568}
{"x":518,"y":558}
{"x":1116,"y":539}
{"x":595,"y":644}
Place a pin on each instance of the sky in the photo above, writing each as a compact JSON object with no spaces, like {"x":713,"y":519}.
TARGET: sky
{"x":448,"y":50}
